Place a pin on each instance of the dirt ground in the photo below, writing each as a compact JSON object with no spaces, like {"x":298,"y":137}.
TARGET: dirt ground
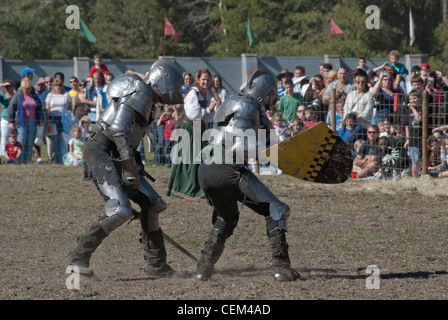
{"x":335,"y":233}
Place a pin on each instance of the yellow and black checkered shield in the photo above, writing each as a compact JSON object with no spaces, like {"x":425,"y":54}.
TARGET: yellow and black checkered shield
{"x":316,"y":155}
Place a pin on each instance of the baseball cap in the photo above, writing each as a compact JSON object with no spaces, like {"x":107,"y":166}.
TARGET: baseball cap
{"x":425,"y":65}
{"x":27,"y":70}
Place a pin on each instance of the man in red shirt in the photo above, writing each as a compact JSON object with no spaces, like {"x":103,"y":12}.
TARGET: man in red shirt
{"x":13,"y":149}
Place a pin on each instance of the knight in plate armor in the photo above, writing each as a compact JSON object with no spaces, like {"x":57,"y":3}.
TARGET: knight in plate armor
{"x":112,"y":162}
{"x":226,"y":179}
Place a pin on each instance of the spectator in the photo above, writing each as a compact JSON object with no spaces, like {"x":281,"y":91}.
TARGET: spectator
{"x":74,"y":83}
{"x":27,"y":73}
{"x":342,"y":85}
{"x":48,"y":84}
{"x":437,"y":94}
{"x":444,"y":157}
{"x":282,"y":77}
{"x":367,"y":162}
{"x":300,"y":80}
{"x":416,"y":83}
{"x":339,"y":115}
{"x":290,"y":101}
{"x":330,"y":77}
{"x":324,"y":68}
{"x":220,"y":90}
{"x":183,"y":181}
{"x":98,"y":66}
{"x":351,"y":131}
{"x":13,"y":149}
{"x":168,"y":122}
{"x":57,"y":101}
{"x":362,"y":64}
{"x":8,"y":91}
{"x":396,"y":159}
{"x":188,"y":80}
{"x":61,"y":76}
{"x":108,"y":79}
{"x":384,"y":94}
{"x":310,"y":116}
{"x":24,"y":114}
{"x":415,"y":73}
{"x":70,"y":118}
{"x":414,"y":131}
{"x":394,"y":57}
{"x":360,"y":102}
{"x":75,"y":147}
{"x":96,"y":96}
{"x":40,"y":86}
{"x":300,"y":114}
{"x":85,"y":124}
{"x":317,"y":89}
{"x":281,"y":125}
{"x":297,"y":126}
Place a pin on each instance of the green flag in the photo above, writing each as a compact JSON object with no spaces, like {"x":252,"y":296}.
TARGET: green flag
{"x":249,"y":32}
{"x":86,"y":32}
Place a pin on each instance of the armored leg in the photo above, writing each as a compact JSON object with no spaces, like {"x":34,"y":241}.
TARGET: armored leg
{"x":155,"y":254}
{"x":280,"y":263}
{"x":214,"y":248}
{"x":118,"y":210}
{"x":151,"y":205}
{"x":87,"y":244}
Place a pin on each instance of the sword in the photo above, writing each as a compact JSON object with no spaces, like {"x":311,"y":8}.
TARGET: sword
{"x":178,"y":246}
{"x":136,"y":215}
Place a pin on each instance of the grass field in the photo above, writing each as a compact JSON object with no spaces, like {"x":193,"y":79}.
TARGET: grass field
{"x":335,"y":233}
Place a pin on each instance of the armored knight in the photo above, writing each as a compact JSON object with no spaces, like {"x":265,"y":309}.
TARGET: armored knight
{"x":226,"y":180}
{"x":112,"y":161}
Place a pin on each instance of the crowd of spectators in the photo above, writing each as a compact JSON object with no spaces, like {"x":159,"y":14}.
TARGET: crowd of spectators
{"x":378,"y":114}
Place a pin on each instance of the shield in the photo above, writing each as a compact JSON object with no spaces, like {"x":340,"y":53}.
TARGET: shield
{"x":315,"y":155}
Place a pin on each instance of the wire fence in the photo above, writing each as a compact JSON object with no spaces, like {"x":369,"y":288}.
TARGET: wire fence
{"x":400,"y":132}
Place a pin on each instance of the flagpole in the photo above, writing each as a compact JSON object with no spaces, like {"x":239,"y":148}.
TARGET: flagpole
{"x":79,"y":42}
{"x":247,"y":36}
{"x":410,"y":45}
{"x":164,"y":34}
{"x":329,"y":38}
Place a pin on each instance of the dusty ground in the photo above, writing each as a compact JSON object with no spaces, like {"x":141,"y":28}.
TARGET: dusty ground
{"x":336,"y":232}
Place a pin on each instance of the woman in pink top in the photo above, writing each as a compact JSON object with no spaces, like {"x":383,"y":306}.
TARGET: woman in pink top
{"x":24,"y":114}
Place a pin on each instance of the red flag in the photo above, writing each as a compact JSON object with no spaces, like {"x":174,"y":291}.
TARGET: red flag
{"x":169,"y":30}
{"x":334,"y":29}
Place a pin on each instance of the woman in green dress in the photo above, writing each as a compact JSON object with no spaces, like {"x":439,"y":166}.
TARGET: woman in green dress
{"x":183,"y":180}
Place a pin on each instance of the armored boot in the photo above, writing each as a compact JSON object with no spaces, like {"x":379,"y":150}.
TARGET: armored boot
{"x":280,"y":263}
{"x":213,"y":250}
{"x":155,"y":254}
{"x":87,"y":244}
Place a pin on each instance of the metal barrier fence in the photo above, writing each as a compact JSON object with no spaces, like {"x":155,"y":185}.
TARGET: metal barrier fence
{"x":390,"y":115}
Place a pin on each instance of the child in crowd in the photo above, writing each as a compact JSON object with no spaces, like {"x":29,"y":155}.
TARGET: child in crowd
{"x":99,"y":66}
{"x":310,"y":117}
{"x":74,"y":156}
{"x":357,"y":145}
{"x":168,"y":122}
{"x":444,"y":158}
{"x":280,"y":125}
{"x":396,"y":159}
{"x":85,"y":123}
{"x":339,"y":115}
{"x":297,"y":126}
{"x":13,"y":149}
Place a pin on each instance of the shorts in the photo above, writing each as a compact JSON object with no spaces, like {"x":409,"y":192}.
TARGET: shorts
{"x":415,"y":153}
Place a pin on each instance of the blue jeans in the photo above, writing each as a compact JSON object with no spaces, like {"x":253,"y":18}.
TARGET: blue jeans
{"x":168,"y":146}
{"x":141,"y":149}
{"x":26,"y":136}
{"x":59,"y":144}
{"x":158,"y":141}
